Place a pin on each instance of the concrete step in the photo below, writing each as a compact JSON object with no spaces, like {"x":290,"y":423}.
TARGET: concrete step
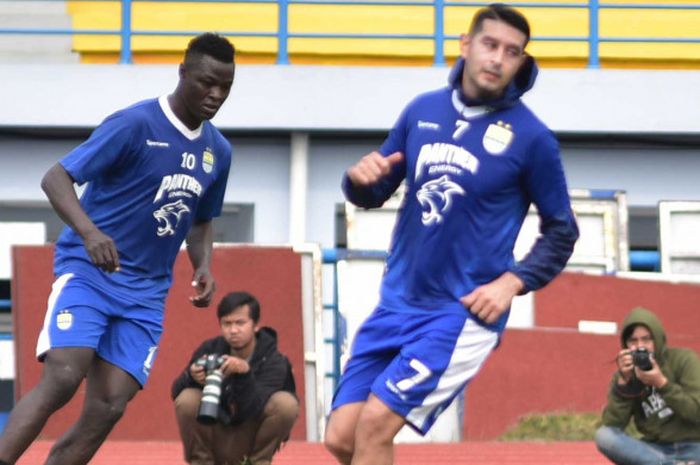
{"x":31,"y":7}
{"x":35,"y":48}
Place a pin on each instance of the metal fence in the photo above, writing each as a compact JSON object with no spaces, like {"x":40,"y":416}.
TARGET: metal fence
{"x":283,"y":33}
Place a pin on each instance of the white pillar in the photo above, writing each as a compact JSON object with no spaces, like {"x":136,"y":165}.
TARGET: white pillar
{"x":298,"y":174}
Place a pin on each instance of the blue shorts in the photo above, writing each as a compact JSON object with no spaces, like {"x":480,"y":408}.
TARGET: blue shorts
{"x":416,"y":363}
{"x":82,"y":313}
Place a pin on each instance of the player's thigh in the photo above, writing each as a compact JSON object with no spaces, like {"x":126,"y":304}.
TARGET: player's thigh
{"x":109,"y":384}
{"x":377,"y":421}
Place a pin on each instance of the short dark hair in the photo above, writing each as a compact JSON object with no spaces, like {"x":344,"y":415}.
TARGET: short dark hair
{"x":234,"y":300}
{"x":213,"y":45}
{"x":500,"y":12}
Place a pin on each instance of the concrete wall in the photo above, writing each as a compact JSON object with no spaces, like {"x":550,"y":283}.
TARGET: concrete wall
{"x":348,"y":98}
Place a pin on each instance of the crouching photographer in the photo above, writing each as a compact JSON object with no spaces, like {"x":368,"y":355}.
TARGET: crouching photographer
{"x":236,"y":401}
{"x":659,"y":388}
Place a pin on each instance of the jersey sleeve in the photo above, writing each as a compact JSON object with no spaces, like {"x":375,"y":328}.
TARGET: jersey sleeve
{"x":210,"y":205}
{"x":545,"y":185}
{"x":108,"y":145}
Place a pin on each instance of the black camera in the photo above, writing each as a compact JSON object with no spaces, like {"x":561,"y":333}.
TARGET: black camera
{"x":209,"y":406}
{"x":642,"y":359}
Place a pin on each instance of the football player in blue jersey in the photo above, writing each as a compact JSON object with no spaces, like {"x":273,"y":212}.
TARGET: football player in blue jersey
{"x":473,"y":158}
{"x":156,"y":173}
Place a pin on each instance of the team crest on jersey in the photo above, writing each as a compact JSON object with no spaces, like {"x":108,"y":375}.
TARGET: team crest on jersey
{"x":208,"y":160}
{"x":436,"y":198}
{"x":64,"y":320}
{"x":497,"y":138}
{"x":169,"y":216}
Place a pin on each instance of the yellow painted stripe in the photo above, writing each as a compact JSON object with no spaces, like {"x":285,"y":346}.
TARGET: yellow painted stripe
{"x":385,"y":20}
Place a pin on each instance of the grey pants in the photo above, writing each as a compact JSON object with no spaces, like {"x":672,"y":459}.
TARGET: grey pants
{"x":256,"y":438}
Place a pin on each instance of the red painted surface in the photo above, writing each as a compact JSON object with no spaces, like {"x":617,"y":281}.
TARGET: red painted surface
{"x":577,"y":296}
{"x":304,"y":453}
{"x":536,"y":371}
{"x":555,"y":368}
{"x":271,"y":274}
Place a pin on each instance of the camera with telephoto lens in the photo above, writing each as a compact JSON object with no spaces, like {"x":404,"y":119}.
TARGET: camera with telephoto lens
{"x":642,"y":359}
{"x":209,"y":406}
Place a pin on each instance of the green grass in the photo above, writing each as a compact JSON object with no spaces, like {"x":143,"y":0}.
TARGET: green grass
{"x":559,"y":426}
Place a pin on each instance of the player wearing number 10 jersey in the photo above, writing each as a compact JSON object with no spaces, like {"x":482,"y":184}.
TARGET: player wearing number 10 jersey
{"x":155,"y":175}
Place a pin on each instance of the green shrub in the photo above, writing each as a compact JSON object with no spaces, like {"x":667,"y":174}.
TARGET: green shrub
{"x":559,"y":426}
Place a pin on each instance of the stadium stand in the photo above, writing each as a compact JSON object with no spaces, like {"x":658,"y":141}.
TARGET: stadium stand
{"x":37,"y":47}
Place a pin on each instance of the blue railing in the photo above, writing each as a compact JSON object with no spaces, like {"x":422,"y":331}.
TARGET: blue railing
{"x":283,"y":34}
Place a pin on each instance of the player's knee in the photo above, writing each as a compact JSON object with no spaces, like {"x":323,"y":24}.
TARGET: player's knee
{"x":106,"y":411}
{"x":338,"y":442}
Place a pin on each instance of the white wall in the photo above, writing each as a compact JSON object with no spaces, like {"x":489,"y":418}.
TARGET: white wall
{"x":347,"y":98}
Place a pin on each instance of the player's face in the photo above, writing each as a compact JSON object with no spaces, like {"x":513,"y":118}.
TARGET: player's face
{"x":238,"y":328}
{"x":206,"y":84}
{"x":493,"y":56}
{"x":640,"y":337}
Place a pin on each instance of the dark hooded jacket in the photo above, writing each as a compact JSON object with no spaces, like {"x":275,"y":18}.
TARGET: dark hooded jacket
{"x":244,"y":396}
{"x":671,"y":413}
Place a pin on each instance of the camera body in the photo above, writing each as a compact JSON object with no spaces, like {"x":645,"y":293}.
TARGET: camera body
{"x":211,"y":394}
{"x":642,"y":359}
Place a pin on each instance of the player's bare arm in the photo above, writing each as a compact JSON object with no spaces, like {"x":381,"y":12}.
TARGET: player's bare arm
{"x":199,"y":249}
{"x":373,"y":167}
{"x":58,"y":186}
{"x":489,"y":301}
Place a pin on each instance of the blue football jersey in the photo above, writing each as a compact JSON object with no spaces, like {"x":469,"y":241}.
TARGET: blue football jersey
{"x":471,"y":173}
{"x":149,"y":178}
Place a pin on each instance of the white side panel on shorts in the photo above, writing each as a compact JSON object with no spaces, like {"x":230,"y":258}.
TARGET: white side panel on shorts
{"x":44,"y":343}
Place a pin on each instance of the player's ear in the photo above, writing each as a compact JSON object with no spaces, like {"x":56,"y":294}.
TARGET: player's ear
{"x":464,"y":42}
{"x":181,"y":71}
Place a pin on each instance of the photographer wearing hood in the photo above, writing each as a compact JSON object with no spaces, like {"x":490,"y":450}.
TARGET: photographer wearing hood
{"x":658,"y":387}
{"x":236,"y":401}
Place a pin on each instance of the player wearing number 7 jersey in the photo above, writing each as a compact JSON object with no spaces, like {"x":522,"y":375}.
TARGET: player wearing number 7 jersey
{"x":473,"y":158}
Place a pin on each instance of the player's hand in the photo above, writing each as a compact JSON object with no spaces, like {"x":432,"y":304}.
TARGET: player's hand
{"x":373,"y":167}
{"x":102,"y":250}
{"x":234,"y":365}
{"x":653,"y":377}
{"x":489,"y":301}
{"x":625,"y":366}
{"x":197,"y":373}
{"x":204,"y":285}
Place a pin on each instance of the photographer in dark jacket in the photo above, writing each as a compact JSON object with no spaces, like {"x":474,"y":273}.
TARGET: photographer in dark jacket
{"x":258,"y":404}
